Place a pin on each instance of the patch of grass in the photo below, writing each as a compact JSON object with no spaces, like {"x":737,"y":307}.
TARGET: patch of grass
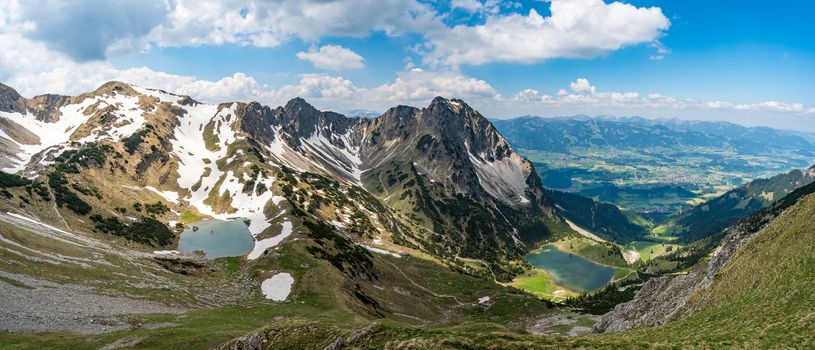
{"x":539,"y":283}
{"x":651,"y":249}
{"x":662,"y":230}
{"x":211,"y":141}
{"x":603,"y":253}
{"x":622,"y":274}
{"x":188,"y":217}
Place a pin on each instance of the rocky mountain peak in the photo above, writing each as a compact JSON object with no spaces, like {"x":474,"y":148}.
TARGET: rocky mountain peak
{"x":110,"y":88}
{"x":441,"y":105}
{"x":10,"y":100}
{"x":6,"y":90}
{"x":299,"y":118}
{"x":455,"y":118}
{"x":300,"y":105}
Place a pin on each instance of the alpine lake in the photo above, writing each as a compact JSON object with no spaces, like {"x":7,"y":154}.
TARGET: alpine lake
{"x":216,"y":239}
{"x":571,"y":271}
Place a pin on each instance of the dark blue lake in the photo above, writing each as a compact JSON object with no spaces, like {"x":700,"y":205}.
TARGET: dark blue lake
{"x":571,"y":271}
{"x":217,"y":238}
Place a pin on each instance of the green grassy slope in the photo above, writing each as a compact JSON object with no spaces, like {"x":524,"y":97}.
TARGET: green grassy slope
{"x":763,"y":299}
{"x":714,"y":215}
{"x":602,"y":219}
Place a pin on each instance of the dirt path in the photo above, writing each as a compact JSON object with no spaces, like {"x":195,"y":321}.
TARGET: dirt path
{"x":614,"y":280}
{"x":56,"y":209}
{"x":387,"y":194}
{"x":437,"y":295}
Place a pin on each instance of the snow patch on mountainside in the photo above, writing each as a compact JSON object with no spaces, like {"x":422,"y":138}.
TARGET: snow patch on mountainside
{"x":318,"y":153}
{"x":170,"y":196}
{"x":161,"y":95}
{"x":380,"y":251}
{"x":194,"y":158}
{"x":277,"y":287}
{"x":200,"y":164}
{"x":263,"y":245}
{"x":39,"y":223}
{"x":344,"y":159}
{"x":129,"y":119}
{"x":50,"y":134}
{"x":249,"y":206}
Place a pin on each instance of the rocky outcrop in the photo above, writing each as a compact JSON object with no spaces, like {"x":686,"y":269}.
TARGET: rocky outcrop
{"x":667,"y":298}
{"x":11,"y":101}
{"x":46,"y":107}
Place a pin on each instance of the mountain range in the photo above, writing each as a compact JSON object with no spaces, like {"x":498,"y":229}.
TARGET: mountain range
{"x":716,"y":214}
{"x":455,"y":187}
{"x":655,"y":168}
{"x":557,"y":134}
{"x":407,"y":229}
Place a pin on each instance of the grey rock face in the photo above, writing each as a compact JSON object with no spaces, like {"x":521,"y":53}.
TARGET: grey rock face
{"x":11,"y":101}
{"x":46,"y":107}
{"x":449,"y":140}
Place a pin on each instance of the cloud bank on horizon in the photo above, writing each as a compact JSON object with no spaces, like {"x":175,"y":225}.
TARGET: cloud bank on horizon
{"x":343,"y":49}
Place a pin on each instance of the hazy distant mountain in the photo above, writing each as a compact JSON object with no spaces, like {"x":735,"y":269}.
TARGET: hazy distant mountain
{"x":559,"y":133}
{"x":652,"y":167}
{"x":363,"y":113}
{"x":716,"y":214}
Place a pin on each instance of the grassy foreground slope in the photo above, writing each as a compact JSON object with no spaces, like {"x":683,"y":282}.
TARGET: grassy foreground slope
{"x":763,"y":299}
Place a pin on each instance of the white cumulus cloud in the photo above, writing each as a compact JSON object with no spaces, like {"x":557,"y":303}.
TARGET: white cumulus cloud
{"x":333,"y":57}
{"x":585,"y":98}
{"x":582,"y":85}
{"x":575,"y":29}
{"x":93,"y":29}
{"x":32,"y":68}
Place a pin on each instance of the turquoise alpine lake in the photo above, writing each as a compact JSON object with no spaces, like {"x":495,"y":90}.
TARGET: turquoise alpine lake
{"x":217,"y":238}
{"x":571,"y":271}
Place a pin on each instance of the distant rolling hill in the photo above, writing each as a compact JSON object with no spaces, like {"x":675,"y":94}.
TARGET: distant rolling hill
{"x":603,"y":219}
{"x":653,"y":167}
{"x":714,"y":215}
{"x":560,"y":133}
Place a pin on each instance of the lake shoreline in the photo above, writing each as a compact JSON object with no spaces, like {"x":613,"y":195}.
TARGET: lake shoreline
{"x":570,"y":270}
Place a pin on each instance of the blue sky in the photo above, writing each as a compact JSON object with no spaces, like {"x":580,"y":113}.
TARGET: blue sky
{"x":748,"y":62}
